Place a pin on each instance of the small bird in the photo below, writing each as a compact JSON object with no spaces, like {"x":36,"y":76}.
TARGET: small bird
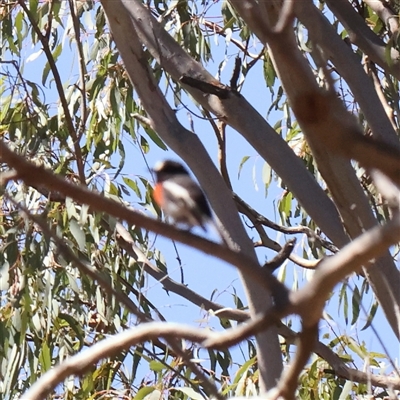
{"x":179,"y":196}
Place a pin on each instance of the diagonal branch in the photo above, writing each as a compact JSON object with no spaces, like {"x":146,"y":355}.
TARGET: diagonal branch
{"x":37,"y":175}
{"x":110,"y":347}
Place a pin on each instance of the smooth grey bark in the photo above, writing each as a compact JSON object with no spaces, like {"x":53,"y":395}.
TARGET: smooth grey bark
{"x":299,"y":82}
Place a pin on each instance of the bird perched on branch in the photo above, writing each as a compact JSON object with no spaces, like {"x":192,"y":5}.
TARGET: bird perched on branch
{"x":179,"y":196}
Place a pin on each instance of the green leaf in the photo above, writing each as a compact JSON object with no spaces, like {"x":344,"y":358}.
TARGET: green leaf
{"x":143,"y":392}
{"x":45,"y":73}
{"x":371,"y":315}
{"x":45,"y":357}
{"x":57,"y":52}
{"x":78,"y":234}
{"x":133,"y":185}
{"x":156,"y":139}
{"x":191,"y":393}
{"x":157,"y":366}
{"x":244,"y":160}
{"x":355,"y":301}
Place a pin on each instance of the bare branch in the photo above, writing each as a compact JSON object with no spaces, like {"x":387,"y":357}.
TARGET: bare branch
{"x":131,"y":16}
{"x":286,"y":16}
{"x":348,"y":65}
{"x":306,"y":342}
{"x":144,"y":120}
{"x":246,"y":209}
{"x":221,"y":31}
{"x":126,"y":241}
{"x":282,"y":256}
{"x":236,"y":112}
{"x":319,"y":126}
{"x":389,"y":191}
{"x":345,"y":136}
{"x":110,"y":347}
{"x":378,"y":84}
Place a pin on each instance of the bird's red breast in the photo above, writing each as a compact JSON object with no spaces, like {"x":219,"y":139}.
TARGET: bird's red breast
{"x":158,"y":194}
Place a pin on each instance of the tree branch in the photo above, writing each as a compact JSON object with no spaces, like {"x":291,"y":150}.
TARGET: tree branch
{"x":111,"y":347}
{"x":387,"y":16}
{"x":348,"y":65}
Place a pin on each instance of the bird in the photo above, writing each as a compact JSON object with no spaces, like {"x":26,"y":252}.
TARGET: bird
{"x":179,"y":196}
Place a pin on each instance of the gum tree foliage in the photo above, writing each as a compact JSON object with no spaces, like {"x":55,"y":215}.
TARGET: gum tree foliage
{"x":67,"y":104}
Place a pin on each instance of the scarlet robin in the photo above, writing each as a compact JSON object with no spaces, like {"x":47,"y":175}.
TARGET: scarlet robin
{"x":179,"y":196}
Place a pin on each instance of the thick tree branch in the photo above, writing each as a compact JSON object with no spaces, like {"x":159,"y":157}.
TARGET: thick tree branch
{"x":306,"y":342}
{"x":111,"y":347}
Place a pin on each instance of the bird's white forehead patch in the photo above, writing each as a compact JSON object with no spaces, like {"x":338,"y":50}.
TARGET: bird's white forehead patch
{"x":159,"y":166}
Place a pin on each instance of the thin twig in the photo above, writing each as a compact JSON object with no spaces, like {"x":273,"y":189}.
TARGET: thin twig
{"x":284,"y":229}
{"x":70,"y":125}
{"x":221,"y":31}
{"x":82,"y":69}
{"x":282,"y":255}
